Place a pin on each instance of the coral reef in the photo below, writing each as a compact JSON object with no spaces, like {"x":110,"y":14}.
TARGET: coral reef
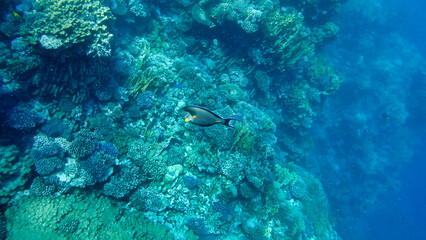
{"x":14,"y":172}
{"x":22,"y":118}
{"x":77,"y":215}
{"x":84,"y":144}
{"x":61,"y":24}
{"x":42,"y":187}
{"x":111,"y":154}
{"x":121,"y":185}
{"x":47,"y":154}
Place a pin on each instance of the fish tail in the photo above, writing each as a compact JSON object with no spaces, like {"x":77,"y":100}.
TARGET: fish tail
{"x":227,"y":120}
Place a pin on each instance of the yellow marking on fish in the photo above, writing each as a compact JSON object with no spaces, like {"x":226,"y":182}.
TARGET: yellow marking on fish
{"x":218,"y":121}
{"x":195,"y":116}
{"x":186,"y":119}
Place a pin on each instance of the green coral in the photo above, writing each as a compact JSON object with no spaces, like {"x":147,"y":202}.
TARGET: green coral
{"x":223,"y":11}
{"x":325,"y":32}
{"x":302,"y":100}
{"x":283,"y":176}
{"x":151,"y":69}
{"x":67,"y":22}
{"x":291,"y":216}
{"x":139,"y":82}
{"x":298,"y":103}
{"x":80,"y":215}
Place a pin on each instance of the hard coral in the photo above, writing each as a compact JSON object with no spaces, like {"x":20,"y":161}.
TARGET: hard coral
{"x":123,"y":183}
{"x":42,"y":187}
{"x":198,"y":226}
{"x":59,"y":24}
{"x":146,"y":100}
{"x":291,"y":38}
{"x":45,"y":166}
{"x":79,"y":215}
{"x":14,"y":171}
{"x":98,"y":167}
{"x":47,"y":153}
{"x":191,"y":181}
{"x":22,"y":118}
{"x":84,"y":144}
{"x":149,"y":199}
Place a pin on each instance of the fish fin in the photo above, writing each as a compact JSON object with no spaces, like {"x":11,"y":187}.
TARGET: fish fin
{"x":227,"y":120}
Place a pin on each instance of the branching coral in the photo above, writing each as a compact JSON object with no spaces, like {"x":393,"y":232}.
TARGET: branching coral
{"x":150,"y":157}
{"x":121,"y":185}
{"x":182,"y":175}
{"x":47,"y":154}
{"x":22,"y":118}
{"x":84,"y":144}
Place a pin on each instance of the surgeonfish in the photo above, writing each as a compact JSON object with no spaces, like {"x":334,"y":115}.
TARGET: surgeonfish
{"x":203,"y":117}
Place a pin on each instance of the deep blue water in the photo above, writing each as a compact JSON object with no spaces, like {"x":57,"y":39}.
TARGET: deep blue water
{"x":412,"y":25}
{"x":401,"y":213}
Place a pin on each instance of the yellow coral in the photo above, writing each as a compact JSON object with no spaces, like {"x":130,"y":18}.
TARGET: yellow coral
{"x":291,"y":38}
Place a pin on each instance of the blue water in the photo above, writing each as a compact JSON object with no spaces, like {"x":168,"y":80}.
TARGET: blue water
{"x":401,"y":213}
{"x":411,"y":24}
{"x":404,"y":213}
